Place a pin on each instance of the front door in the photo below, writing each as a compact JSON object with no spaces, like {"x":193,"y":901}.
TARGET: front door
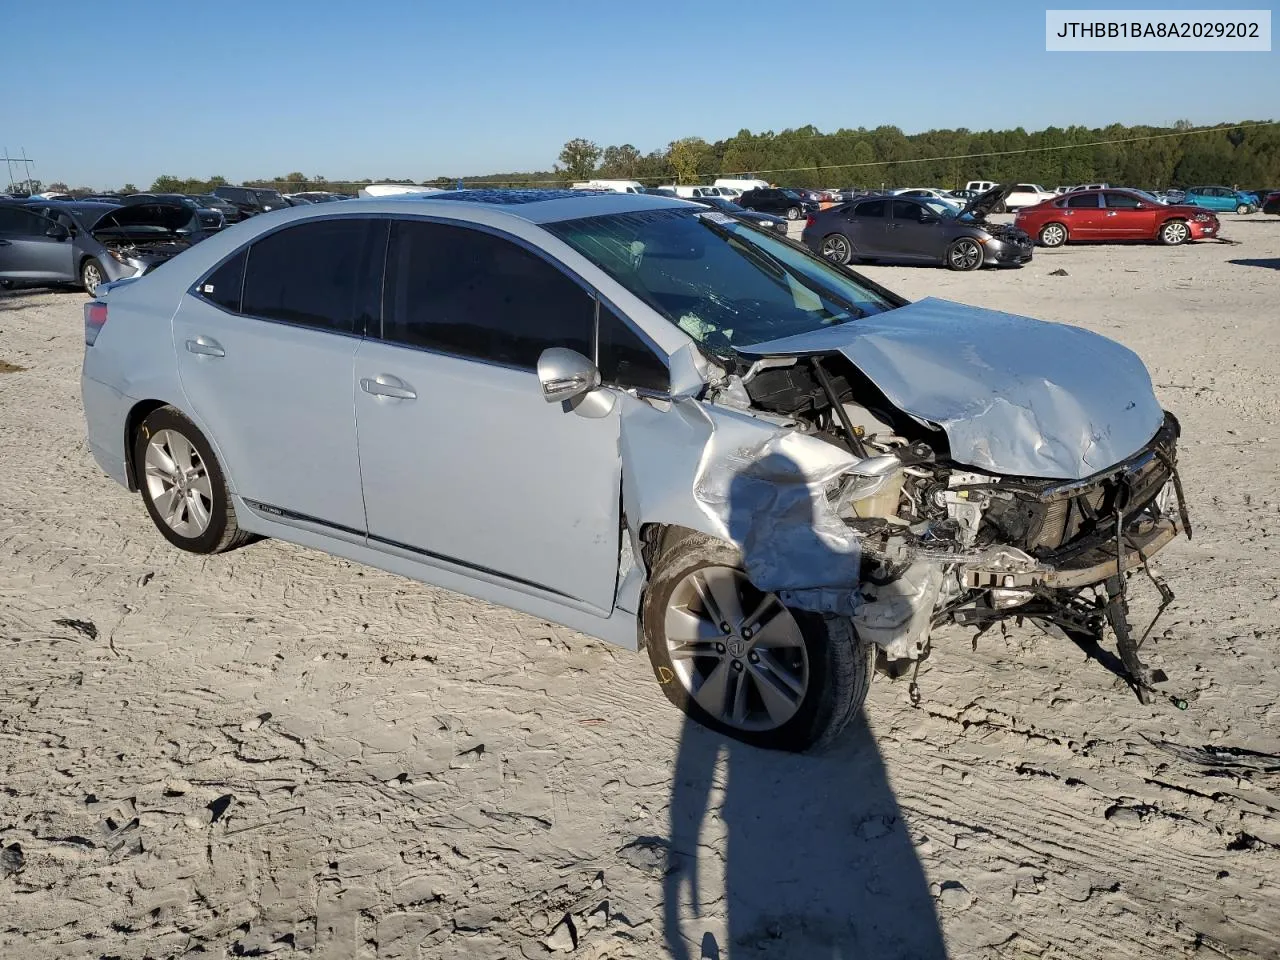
{"x":463,"y":462}
{"x":909,"y":238}
{"x":1126,"y":217}
{"x":269,"y":374}
{"x":28,"y":253}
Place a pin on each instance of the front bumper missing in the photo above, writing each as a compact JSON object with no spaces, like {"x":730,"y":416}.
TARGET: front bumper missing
{"x":1142,"y":541}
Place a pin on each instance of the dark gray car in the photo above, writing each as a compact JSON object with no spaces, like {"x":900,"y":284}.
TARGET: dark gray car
{"x":57,"y":241}
{"x":918,"y":230}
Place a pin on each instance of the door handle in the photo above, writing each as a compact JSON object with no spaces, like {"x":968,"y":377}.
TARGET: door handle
{"x":205,"y":347}
{"x":1111,"y":213}
{"x":385,"y":385}
{"x":5,"y":243}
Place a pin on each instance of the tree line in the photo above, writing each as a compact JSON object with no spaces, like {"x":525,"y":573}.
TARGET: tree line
{"x":1244,"y":154}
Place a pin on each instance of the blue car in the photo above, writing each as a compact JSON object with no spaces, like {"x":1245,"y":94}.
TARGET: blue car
{"x":1220,"y":198}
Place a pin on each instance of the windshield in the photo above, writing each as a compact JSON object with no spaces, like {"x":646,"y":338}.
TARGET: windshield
{"x":1150,"y":197}
{"x":940,"y":207}
{"x":723,"y":283}
{"x":793,"y":194}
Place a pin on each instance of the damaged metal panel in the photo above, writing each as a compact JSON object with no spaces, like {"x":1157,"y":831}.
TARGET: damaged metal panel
{"x":1014,"y":396}
{"x":758,"y":484}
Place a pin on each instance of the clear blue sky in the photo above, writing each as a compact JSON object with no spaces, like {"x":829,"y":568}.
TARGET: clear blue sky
{"x":103,"y":95}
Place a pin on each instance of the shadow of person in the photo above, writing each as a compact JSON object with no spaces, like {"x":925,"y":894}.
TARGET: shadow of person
{"x":803,"y":855}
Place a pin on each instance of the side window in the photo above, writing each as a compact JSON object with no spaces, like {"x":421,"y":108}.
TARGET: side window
{"x":319,"y":274}
{"x":1025,"y":188}
{"x":466,"y":292}
{"x":15,"y":221}
{"x":905,"y":210}
{"x":625,"y":359}
{"x":223,"y":286}
{"x":872,"y":208}
{"x":1121,"y":201}
{"x":1083,"y":200}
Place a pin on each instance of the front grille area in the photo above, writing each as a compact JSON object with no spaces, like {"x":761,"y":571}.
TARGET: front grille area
{"x":1044,"y":517}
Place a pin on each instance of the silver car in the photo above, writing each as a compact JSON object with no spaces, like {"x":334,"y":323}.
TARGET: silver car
{"x":648,"y":421}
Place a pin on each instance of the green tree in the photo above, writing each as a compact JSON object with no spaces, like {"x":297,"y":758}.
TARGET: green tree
{"x":578,"y":158}
{"x":685,"y":157}
{"x":620,"y":162}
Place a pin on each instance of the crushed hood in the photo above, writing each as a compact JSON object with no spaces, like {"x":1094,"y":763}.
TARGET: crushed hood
{"x":1015,"y":396}
{"x":163,"y":214}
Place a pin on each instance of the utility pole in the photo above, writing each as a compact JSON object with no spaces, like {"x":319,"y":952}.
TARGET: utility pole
{"x":25,"y":161}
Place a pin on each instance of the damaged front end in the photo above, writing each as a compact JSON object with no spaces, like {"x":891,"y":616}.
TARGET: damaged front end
{"x":858,"y":507}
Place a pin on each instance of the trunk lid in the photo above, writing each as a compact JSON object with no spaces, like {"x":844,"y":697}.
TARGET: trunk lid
{"x":1014,"y":396}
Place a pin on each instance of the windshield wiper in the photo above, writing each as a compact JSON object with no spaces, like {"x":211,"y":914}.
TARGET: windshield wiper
{"x":759,"y":254}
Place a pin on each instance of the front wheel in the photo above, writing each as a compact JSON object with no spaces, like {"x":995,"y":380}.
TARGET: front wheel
{"x":793,"y":213}
{"x":1174,"y":232}
{"x":837,"y":249}
{"x":964,"y":254}
{"x":91,"y":276}
{"x":1242,"y":208}
{"x":737,"y":660}
{"x":1053,"y":235}
{"x":182,"y":484}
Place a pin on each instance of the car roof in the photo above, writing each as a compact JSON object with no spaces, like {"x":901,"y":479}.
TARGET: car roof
{"x":534,"y":206}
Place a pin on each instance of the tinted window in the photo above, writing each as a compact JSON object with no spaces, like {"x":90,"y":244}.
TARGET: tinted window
{"x":1083,"y":200}
{"x":905,"y":210}
{"x":223,"y":285}
{"x":625,"y":360}
{"x":471,"y":293}
{"x":1122,"y":201}
{"x":23,"y":223}
{"x":319,"y":274}
{"x":871,"y":208}
{"x":1026,"y":188}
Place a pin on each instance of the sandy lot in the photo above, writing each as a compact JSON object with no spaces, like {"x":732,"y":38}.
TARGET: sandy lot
{"x":273,"y":752}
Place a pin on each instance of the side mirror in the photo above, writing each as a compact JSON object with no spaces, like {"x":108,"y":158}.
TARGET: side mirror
{"x":565,"y":374}
{"x":57,"y":231}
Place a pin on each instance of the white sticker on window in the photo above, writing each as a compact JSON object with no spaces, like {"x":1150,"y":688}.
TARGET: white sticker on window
{"x":715,"y":217}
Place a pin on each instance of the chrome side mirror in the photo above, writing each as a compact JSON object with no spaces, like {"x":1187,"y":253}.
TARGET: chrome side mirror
{"x":565,"y":374}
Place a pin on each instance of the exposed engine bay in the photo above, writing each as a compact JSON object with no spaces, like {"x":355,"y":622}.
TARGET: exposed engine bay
{"x":944,"y":542}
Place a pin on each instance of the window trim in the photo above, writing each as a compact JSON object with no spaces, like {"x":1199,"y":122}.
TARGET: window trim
{"x":247,"y":247}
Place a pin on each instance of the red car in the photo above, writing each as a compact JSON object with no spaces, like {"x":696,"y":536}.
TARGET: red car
{"x":1114,"y":215}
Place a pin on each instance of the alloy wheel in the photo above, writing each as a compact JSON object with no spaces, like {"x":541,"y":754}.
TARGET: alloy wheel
{"x":92,"y":278}
{"x":966,"y":255}
{"x":836,"y":249}
{"x":738,"y":652}
{"x":178,"y":483}
{"x":1176,"y":232}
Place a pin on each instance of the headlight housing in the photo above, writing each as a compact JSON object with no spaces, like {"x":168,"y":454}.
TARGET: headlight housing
{"x":1203,"y":218}
{"x":117,"y":256}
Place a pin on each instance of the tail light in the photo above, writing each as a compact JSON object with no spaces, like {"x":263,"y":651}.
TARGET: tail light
{"x":95,"y":318}
{"x":809,"y":221}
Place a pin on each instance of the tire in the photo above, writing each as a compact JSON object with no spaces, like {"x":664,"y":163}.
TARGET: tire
{"x":1053,"y":235}
{"x":964,"y":254}
{"x":1174,"y":232}
{"x":793,"y":213}
{"x":92,"y":276}
{"x":204,"y":521}
{"x":820,"y":654}
{"x":837,"y":249}
{"x":1242,"y":209}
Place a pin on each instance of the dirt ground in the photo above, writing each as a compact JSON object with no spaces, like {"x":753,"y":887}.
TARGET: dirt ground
{"x":273,"y":752}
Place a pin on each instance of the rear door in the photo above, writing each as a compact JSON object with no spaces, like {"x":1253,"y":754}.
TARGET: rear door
{"x":1083,"y":214}
{"x":868,"y":226}
{"x":464,"y":464}
{"x":1126,"y":217}
{"x":266,"y":345}
{"x":26,"y":250}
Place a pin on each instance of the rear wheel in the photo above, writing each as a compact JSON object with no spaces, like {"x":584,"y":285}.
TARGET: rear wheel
{"x":1174,"y":232}
{"x":91,"y":276}
{"x":964,"y":254}
{"x":1053,"y":235}
{"x":737,"y":660}
{"x":182,"y":484}
{"x":837,"y":249}
{"x":793,"y":213}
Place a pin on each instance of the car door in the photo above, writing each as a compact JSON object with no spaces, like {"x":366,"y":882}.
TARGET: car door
{"x":1083,"y":214}
{"x":266,"y":345}
{"x":27,"y":252}
{"x":906,"y":236}
{"x":1125,"y":217}
{"x":464,"y":464}
{"x":867,"y":227}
